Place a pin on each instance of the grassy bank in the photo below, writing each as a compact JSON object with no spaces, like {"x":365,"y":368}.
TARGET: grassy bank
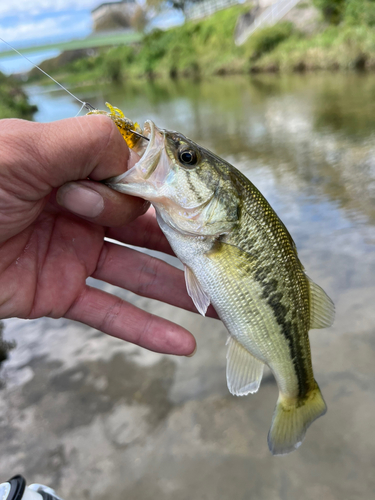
{"x":338,"y":47}
{"x":344,"y":39}
{"x":13,"y":101}
{"x":196,"y":48}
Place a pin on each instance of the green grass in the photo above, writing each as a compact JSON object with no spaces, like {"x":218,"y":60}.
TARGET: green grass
{"x":194,"y":49}
{"x":338,"y":47}
{"x":354,"y":12}
{"x":13,"y":101}
{"x":348,"y":42}
{"x":206,"y":47}
{"x":266,"y":40}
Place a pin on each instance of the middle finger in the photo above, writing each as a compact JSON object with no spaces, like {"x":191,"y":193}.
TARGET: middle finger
{"x":144,"y":275}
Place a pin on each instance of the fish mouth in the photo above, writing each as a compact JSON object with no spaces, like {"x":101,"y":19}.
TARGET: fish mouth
{"x":144,"y":177}
{"x":143,"y":147}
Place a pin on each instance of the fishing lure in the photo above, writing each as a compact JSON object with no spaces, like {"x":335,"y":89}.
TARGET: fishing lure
{"x":131,"y":132}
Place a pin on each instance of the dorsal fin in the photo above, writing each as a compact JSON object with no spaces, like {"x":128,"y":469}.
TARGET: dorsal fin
{"x":322,"y":309}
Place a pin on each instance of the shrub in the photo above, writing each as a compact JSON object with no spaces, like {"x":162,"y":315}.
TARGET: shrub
{"x":353,"y":12}
{"x":333,"y":10}
{"x":360,"y":12}
{"x":14,"y":102}
{"x":267,"y":39}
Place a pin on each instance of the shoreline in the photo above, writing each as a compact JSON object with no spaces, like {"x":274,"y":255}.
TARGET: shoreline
{"x":205,"y":48}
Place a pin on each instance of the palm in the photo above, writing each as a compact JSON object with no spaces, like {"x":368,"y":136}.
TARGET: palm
{"x":47,"y":253}
{"x":52,"y":258}
{"x":52,"y":278}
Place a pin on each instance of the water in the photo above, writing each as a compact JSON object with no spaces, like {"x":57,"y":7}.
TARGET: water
{"x":90,"y":415}
{"x":16,"y":64}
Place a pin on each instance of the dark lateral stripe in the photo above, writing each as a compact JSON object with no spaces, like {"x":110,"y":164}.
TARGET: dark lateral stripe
{"x":288,"y":328}
{"x":290,"y":332}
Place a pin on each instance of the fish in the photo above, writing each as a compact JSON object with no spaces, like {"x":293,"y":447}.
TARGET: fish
{"x":238,"y":256}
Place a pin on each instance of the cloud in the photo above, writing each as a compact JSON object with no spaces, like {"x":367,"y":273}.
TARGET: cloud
{"x":34,"y":22}
{"x":39,"y":21}
{"x":35,"y":7}
{"x":49,"y":27}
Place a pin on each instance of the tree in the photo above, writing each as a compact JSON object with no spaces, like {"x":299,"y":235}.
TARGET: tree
{"x":140,"y":18}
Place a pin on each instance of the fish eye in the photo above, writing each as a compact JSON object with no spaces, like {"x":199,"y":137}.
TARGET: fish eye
{"x":188,"y":157}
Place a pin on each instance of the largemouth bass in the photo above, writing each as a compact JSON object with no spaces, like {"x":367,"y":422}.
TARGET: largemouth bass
{"x":239,"y":256}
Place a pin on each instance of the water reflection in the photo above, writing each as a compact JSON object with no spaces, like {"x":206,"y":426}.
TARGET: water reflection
{"x":307,"y":142}
{"x":316,"y":132}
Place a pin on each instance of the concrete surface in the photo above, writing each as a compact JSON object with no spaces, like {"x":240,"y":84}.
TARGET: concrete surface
{"x":92,"y":416}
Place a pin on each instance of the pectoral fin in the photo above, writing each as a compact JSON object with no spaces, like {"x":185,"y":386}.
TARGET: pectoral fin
{"x":200,"y":298}
{"x":322,"y":309}
{"x":244,"y":372}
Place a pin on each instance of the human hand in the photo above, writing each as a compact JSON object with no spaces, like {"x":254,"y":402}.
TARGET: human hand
{"x":47,"y":251}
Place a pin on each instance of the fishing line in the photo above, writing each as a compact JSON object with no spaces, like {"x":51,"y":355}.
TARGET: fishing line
{"x":86,"y":105}
{"x":80,"y":109}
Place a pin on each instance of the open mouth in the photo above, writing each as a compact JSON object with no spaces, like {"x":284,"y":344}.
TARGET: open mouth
{"x":149,"y":150}
{"x":149,"y":153}
{"x":148,"y":134}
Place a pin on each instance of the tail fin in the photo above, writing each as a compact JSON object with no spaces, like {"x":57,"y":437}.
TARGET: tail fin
{"x":291,"y":420}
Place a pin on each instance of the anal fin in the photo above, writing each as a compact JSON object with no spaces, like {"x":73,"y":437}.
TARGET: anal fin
{"x":244,"y":371}
{"x":200,"y":298}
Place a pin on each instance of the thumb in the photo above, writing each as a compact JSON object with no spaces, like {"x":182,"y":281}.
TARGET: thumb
{"x":100,"y":204}
{"x":38,"y":157}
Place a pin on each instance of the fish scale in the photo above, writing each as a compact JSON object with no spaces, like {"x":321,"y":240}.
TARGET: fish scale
{"x":239,"y":256}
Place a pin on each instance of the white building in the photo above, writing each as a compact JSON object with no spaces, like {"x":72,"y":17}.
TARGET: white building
{"x":113,"y":15}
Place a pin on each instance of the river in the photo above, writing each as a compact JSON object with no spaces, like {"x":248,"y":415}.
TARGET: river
{"x":94,"y":417}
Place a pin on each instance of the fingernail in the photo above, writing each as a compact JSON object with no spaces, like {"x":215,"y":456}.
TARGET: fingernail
{"x":80,"y":200}
{"x":192,"y":354}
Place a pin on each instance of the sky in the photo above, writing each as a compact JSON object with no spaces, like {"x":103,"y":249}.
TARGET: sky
{"x":29,"y":22}
{"x":32,"y":22}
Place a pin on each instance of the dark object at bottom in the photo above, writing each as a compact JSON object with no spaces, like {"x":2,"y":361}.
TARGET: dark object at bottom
{"x":15,"y":489}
